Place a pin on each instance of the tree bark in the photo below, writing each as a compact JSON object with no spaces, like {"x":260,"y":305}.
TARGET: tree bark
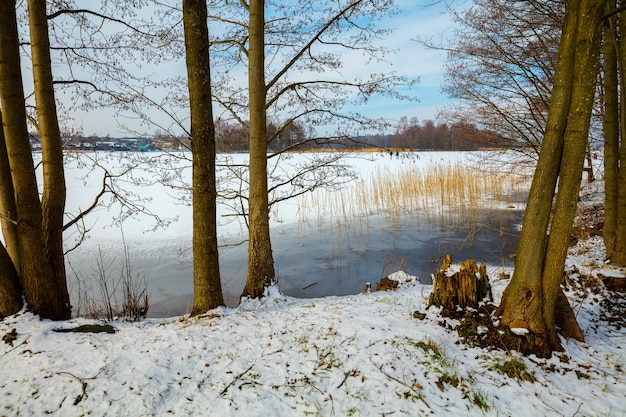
{"x":38,"y":281}
{"x":260,"y":258}
{"x":8,"y":212}
{"x":10,"y":290}
{"x":206,"y":273}
{"x":53,"y":197}
{"x":533,"y":291}
{"x":610,"y":126}
{"x":618,"y":256}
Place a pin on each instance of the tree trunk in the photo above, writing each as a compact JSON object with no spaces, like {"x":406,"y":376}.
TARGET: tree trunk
{"x":8,"y":212}
{"x":610,"y":126}
{"x":533,"y":291}
{"x":260,"y":258}
{"x":10,"y":290}
{"x":53,"y":197}
{"x":43,"y":296}
{"x":618,"y":256}
{"x":207,"y":285}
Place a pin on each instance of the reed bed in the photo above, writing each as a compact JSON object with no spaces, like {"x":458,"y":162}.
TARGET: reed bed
{"x":444,"y":195}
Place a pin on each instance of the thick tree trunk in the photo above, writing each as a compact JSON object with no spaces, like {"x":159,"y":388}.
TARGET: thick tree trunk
{"x":53,"y":198}
{"x":610,"y":126}
{"x":619,"y":254}
{"x":43,"y":295}
{"x":532,"y":295}
{"x":260,"y":258}
{"x":207,"y":285}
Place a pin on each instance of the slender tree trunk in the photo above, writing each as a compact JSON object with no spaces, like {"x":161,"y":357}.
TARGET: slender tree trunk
{"x":10,"y":290}
{"x":610,"y":125}
{"x":533,"y":292}
{"x":618,"y":256}
{"x":260,"y":258}
{"x":53,"y":198}
{"x":43,"y":296}
{"x":8,"y":212}
{"x":206,"y":273}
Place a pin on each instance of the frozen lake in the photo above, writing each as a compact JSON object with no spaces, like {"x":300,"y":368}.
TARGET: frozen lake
{"x":315,"y":255}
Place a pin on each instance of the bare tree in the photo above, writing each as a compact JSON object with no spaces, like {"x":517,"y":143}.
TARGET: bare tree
{"x":289,"y":84}
{"x":260,"y":259}
{"x":500,"y":67}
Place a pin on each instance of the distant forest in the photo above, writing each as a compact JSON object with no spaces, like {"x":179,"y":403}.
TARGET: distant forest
{"x":441,"y":137}
{"x":409,"y":134}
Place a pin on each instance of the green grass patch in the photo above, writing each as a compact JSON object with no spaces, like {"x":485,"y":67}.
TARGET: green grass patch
{"x":514,"y":367}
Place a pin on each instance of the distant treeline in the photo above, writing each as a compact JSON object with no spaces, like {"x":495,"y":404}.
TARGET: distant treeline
{"x":441,"y":137}
{"x":233,"y":138}
{"x":408,"y":135}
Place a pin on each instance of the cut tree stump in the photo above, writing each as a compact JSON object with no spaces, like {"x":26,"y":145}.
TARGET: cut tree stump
{"x":462,"y":289}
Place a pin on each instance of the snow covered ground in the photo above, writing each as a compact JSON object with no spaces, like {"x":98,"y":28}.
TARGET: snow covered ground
{"x":360,"y":355}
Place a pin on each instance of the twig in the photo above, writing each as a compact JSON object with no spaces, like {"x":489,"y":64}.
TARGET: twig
{"x":12,"y":349}
{"x":411,"y":387}
{"x":237,"y":378}
{"x":352,"y":372}
{"x":309,"y":286}
{"x":3,"y":217}
{"x":345,"y":378}
{"x":83,"y":395}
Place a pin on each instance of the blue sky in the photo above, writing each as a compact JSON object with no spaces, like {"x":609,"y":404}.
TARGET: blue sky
{"x":411,"y":58}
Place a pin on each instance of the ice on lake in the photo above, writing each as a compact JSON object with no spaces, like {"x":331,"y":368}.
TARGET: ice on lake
{"x":313,"y":258}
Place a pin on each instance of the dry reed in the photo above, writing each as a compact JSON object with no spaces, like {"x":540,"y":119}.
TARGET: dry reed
{"x":452,"y":195}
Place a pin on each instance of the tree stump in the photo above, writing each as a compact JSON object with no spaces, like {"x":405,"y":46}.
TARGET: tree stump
{"x":462,"y":289}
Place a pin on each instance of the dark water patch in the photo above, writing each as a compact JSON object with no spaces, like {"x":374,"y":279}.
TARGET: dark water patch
{"x":319,"y":267}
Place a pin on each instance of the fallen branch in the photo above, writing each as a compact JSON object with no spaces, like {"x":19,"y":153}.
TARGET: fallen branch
{"x":237,"y":378}
{"x":83,"y":394}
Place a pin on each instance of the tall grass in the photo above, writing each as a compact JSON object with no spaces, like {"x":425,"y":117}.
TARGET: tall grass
{"x":445,"y":195}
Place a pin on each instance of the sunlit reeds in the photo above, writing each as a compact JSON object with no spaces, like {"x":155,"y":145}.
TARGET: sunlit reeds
{"x":444,"y":195}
